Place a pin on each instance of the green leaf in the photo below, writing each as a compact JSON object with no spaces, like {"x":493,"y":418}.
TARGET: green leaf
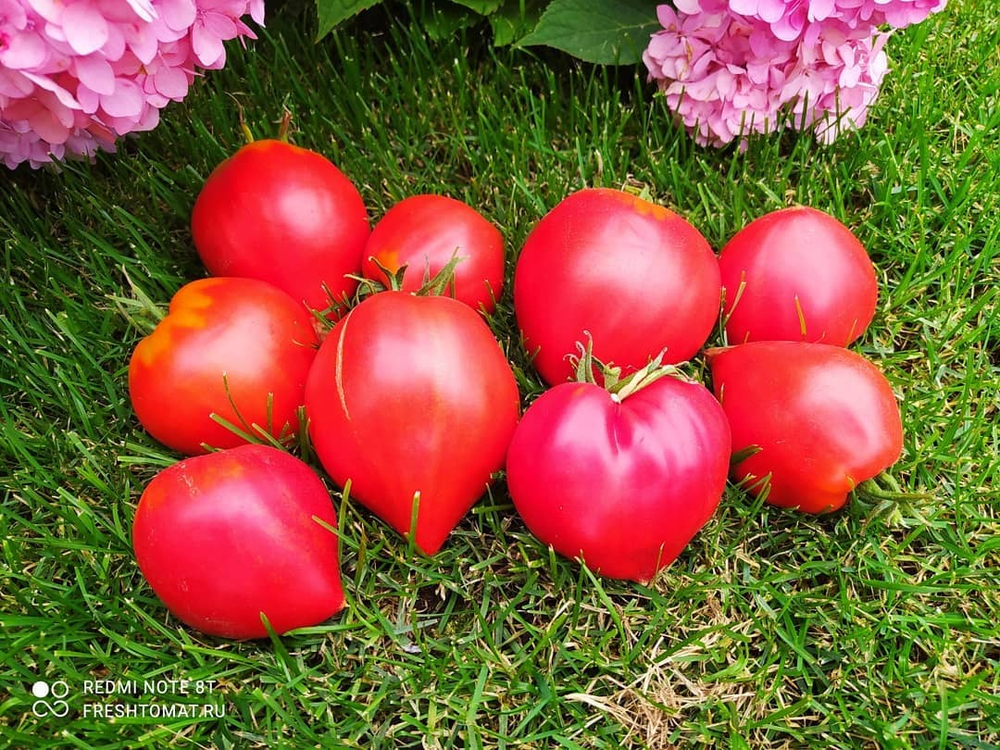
{"x":333,"y":12}
{"x":598,"y":31}
{"x":515,"y":20}
{"x":482,"y":7}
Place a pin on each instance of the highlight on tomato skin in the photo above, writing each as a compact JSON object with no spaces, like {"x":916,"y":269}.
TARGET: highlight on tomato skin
{"x":634,"y":275}
{"x":817,"y":419}
{"x":225,"y":537}
{"x":285,"y":215}
{"x":237,"y":348}
{"x":797,"y":274}
{"x":423,"y":232}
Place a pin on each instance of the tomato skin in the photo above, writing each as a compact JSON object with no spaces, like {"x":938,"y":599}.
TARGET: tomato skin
{"x":633,"y":274}
{"x":423,"y":232}
{"x":412,"y":394}
{"x":223,"y":537}
{"x":798,"y":268}
{"x":282,"y":214}
{"x":824,"y":417}
{"x":622,"y":486}
{"x":220,"y":332}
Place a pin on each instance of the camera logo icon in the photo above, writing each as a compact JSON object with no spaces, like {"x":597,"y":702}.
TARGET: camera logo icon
{"x":49,"y":698}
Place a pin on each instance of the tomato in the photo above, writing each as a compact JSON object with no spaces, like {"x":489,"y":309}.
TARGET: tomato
{"x":423,"y":232}
{"x":412,"y":395}
{"x":621,"y":483}
{"x":225,"y":537}
{"x":633,"y":274}
{"x":824,"y":419}
{"x":797,"y":274}
{"x":282,"y":214}
{"x":225,"y":342}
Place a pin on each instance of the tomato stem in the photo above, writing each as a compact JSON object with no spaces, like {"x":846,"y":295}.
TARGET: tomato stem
{"x":443,"y":281}
{"x":885,"y":487}
{"x":440,"y":284}
{"x":586,"y":363}
{"x":647,"y":376}
{"x":284,"y":125}
{"x":620,"y":388}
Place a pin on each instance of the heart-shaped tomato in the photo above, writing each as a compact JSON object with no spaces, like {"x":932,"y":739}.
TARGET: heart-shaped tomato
{"x":226,"y":537}
{"x":412,"y":396}
{"x":621,"y":483}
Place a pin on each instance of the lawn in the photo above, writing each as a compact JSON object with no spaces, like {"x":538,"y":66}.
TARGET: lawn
{"x":877,"y":626}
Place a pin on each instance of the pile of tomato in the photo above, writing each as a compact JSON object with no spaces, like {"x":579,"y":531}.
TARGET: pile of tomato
{"x":376,"y":344}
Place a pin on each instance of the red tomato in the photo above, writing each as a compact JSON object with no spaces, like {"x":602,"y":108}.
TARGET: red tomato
{"x":412,"y":394}
{"x":635,"y":275}
{"x":282,"y":214}
{"x":824,"y":418}
{"x":225,"y":537}
{"x":423,"y":232}
{"x":224,"y":342}
{"x":622,"y":484}
{"x":797,"y":274}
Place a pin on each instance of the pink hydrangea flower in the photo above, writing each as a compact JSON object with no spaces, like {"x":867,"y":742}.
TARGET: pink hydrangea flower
{"x":729,"y":68}
{"x":794,"y":19}
{"x":791,"y":20}
{"x":75,"y":75}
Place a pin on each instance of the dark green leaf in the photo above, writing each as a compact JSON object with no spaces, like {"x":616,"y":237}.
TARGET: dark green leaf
{"x":482,"y":7}
{"x":333,"y":12}
{"x":515,"y":20}
{"x":598,"y":31}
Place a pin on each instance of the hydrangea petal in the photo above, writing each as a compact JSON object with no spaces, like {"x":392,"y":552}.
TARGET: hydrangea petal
{"x":96,"y":74}
{"x":85,"y":28}
{"x":77,"y":74}
{"x":114,"y":48}
{"x":24,"y":51}
{"x":143,"y":8}
{"x":208,"y":47}
{"x":257,"y":11}
{"x":125,"y":101}
{"x":178,"y":14}
{"x":44,"y":82}
{"x":50,"y":10}
{"x":171,"y":83}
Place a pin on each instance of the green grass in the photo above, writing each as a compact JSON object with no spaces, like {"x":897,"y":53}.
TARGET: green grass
{"x":874,"y":627}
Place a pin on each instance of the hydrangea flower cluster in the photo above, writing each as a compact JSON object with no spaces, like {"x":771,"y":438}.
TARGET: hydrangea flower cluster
{"x":77,"y":74}
{"x":729,"y":68}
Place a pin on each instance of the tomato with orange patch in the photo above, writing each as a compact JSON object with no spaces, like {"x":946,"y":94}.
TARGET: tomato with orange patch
{"x":237,"y":348}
